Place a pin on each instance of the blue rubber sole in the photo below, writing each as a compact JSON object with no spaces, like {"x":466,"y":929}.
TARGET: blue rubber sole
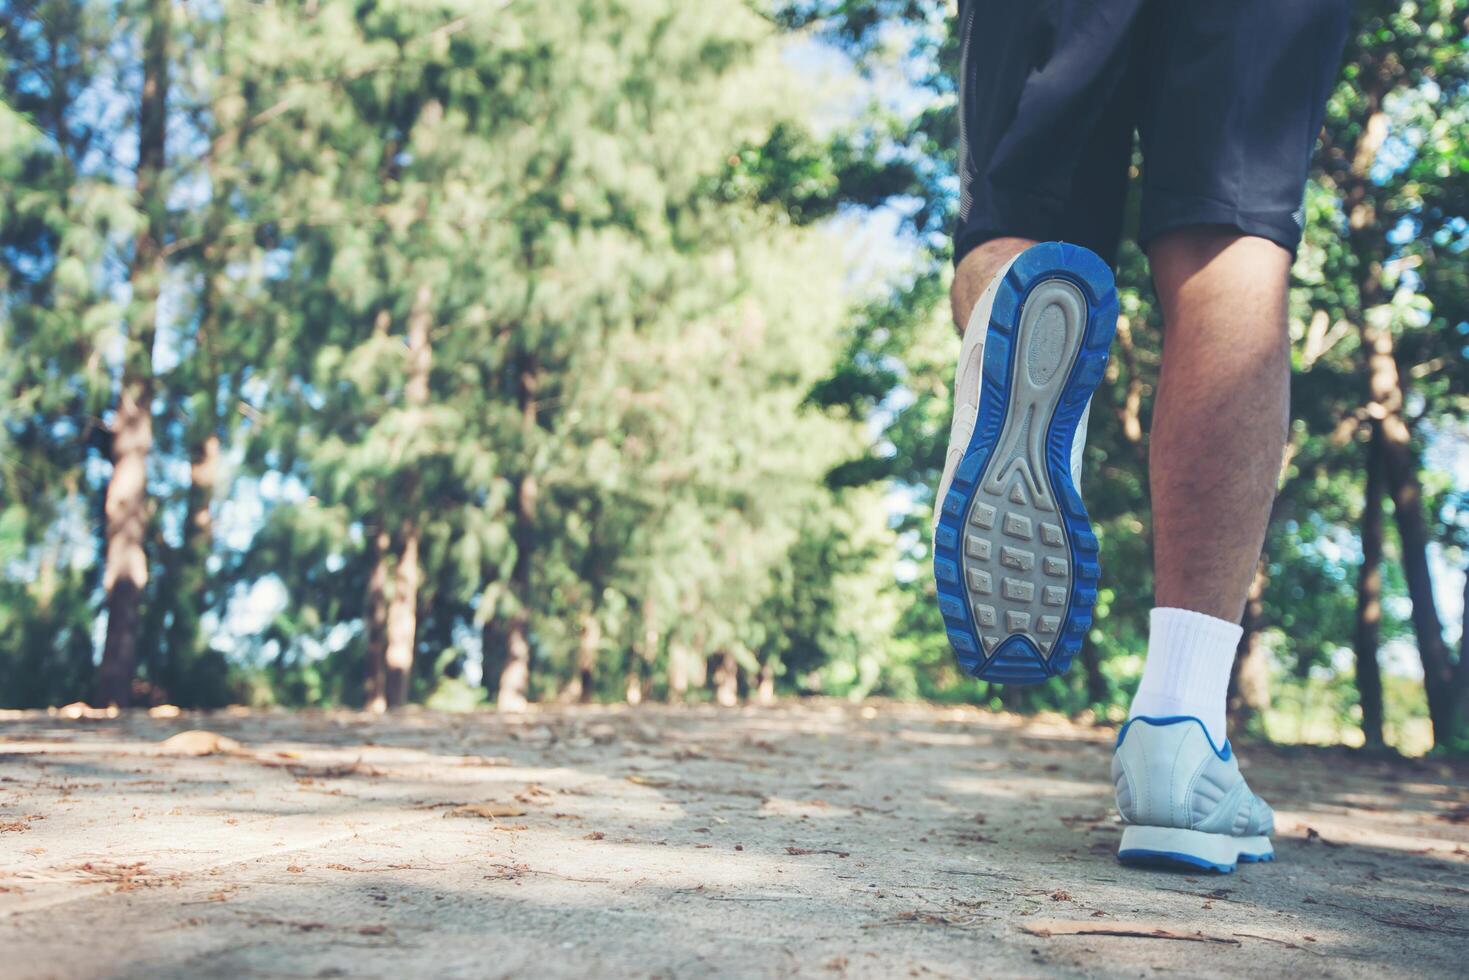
{"x":1185,"y":862}
{"x":1017,"y":659}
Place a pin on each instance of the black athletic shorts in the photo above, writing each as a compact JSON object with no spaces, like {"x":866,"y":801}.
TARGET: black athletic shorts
{"x":1226,"y":95}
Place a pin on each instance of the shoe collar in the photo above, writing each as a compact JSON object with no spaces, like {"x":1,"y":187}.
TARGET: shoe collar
{"x":1223,"y":753}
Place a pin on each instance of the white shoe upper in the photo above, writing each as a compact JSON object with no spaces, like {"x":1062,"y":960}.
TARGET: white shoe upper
{"x":1168,"y":774}
{"x":968,"y":379}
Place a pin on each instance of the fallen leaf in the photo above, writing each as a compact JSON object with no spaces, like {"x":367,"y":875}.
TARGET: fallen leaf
{"x":199,"y":742}
{"x":126,"y":877}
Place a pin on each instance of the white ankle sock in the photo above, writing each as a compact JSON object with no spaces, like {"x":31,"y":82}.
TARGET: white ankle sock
{"x":1187,"y":670}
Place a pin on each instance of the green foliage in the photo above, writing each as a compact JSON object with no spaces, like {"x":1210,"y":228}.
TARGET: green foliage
{"x":603,"y":220}
{"x":555,"y":295}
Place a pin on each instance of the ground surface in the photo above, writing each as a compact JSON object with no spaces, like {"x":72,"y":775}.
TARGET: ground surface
{"x":820,"y":840}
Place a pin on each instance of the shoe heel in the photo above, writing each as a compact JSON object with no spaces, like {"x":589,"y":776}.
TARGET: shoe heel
{"x":1190,"y":850}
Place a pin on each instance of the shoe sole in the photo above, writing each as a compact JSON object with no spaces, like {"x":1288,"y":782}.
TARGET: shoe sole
{"x":1190,"y":850}
{"x":1015,"y":558}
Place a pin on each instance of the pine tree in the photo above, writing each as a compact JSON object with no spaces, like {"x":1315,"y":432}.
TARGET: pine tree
{"x":61,"y":215}
{"x":1404,"y":95}
{"x":128,"y":504}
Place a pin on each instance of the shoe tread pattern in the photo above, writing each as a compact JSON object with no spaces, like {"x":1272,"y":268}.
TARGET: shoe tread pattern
{"x":1015,"y":558}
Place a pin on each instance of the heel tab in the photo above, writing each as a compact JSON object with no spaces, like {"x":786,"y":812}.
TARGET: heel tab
{"x":1165,"y":722}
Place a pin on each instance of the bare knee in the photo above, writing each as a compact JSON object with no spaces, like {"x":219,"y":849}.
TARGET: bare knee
{"x":1212,"y":262}
{"x":975,"y":272}
{"x":1223,"y":296}
{"x":1219,"y":288}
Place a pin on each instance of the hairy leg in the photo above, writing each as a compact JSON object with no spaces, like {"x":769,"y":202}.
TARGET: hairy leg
{"x":976,"y":270}
{"x":1222,"y":411}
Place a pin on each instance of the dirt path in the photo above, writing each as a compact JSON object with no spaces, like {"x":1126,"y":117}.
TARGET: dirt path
{"x":820,"y":840}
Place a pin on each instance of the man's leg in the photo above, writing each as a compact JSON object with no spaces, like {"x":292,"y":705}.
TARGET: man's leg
{"x":1219,"y":427}
{"x":1221,"y":414}
{"x":1227,"y":132}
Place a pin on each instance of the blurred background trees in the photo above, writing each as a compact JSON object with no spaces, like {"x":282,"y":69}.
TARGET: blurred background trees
{"x":449,"y":351}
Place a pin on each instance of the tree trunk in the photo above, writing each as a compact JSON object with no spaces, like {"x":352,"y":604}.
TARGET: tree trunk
{"x":1462,"y":673}
{"x":727,"y":680}
{"x":190,"y":571}
{"x":375,"y":603}
{"x":1385,"y":408}
{"x":1369,"y":599}
{"x":632,"y":687}
{"x":125,"y":572}
{"x":765,"y":687}
{"x":375,"y":617}
{"x":189,"y":576}
{"x":642,"y":663}
{"x":1438,"y":675}
{"x":203,"y":478}
{"x":1096,"y":681}
{"x":697,"y":664}
{"x":403,"y":604}
{"x":1461,"y":699}
{"x":583,"y":681}
{"x":402,"y":631}
{"x":678,"y":672}
{"x":1402,"y":485}
{"x":1130,"y":411}
{"x":492,"y":650}
{"x":186,"y":639}
{"x":633,"y":690}
{"x":1249,"y":681}
{"x":515,"y":676}
{"x":1012,"y":696}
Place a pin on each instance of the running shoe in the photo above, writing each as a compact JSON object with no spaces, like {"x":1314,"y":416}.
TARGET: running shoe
{"x":1184,"y":802}
{"x":1015,"y":557}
